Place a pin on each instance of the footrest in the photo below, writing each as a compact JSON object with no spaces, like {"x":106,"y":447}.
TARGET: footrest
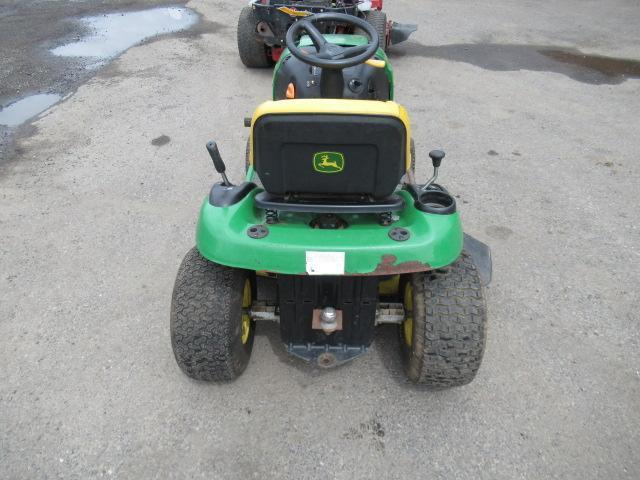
{"x":268,"y":201}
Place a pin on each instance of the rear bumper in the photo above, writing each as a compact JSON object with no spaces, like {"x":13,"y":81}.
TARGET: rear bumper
{"x":222,"y":237}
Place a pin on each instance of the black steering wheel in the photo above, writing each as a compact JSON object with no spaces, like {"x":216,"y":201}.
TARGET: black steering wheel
{"x":329,"y":55}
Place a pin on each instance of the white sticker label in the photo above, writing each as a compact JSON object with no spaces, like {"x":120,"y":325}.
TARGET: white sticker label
{"x":325,"y":263}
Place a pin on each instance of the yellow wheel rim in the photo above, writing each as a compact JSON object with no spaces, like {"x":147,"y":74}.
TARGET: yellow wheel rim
{"x":390,"y":286}
{"x":246,"y":319}
{"x":407,"y":325}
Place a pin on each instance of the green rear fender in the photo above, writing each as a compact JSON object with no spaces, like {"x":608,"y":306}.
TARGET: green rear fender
{"x":436,"y":240}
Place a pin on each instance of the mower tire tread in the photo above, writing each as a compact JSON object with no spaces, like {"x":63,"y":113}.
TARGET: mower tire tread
{"x":252,"y":53}
{"x":247,"y":151}
{"x":378,"y":19}
{"x":449,"y":325}
{"x":412,"y":152}
{"x":206,"y":309}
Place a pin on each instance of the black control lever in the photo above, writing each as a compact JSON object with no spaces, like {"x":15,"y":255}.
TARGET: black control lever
{"x":436,"y":160}
{"x":212,"y":148}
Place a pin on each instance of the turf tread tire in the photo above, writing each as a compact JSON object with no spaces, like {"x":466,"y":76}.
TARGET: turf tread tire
{"x":206,"y":330}
{"x":247,"y":152}
{"x":252,"y":52}
{"x":378,"y":19}
{"x":412,"y":152}
{"x":449,"y":326}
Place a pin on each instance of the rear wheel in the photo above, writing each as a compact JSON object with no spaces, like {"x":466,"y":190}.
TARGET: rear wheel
{"x":247,"y":163}
{"x":443,"y":336}
{"x":253,"y":53}
{"x":247,"y":153}
{"x":379,"y":21}
{"x":413,"y":156}
{"x":211,"y":331}
{"x":411,"y":174}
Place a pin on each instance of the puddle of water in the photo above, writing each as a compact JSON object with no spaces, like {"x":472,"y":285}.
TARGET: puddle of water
{"x":22,"y":110}
{"x":114,"y":33}
{"x":593,"y":69}
{"x":609,"y":66}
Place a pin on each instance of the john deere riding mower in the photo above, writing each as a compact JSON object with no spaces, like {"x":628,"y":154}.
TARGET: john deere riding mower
{"x":263,"y":24}
{"x":330,"y":234}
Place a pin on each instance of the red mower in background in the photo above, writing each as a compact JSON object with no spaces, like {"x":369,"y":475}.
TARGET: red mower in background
{"x":263,"y":24}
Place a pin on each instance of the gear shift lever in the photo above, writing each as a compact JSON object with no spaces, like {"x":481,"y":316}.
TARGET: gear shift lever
{"x":436,"y":160}
{"x":212,"y":148}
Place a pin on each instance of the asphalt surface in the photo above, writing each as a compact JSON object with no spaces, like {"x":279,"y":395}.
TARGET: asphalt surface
{"x":31,"y":28}
{"x":99,"y":200}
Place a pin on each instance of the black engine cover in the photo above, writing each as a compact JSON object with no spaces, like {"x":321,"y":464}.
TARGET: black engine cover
{"x":362,"y":82}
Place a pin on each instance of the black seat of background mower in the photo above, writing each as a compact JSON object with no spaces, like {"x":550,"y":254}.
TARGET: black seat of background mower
{"x":289,"y":151}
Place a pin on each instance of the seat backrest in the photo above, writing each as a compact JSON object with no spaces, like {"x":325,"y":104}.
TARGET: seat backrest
{"x":330,"y":147}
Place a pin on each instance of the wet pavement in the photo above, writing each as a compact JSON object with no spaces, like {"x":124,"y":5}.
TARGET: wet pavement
{"x":18,"y":112}
{"x":113,"y":33}
{"x":50,"y":48}
{"x":579,"y":66}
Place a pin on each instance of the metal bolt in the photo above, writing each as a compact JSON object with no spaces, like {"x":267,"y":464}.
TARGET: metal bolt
{"x":328,"y":315}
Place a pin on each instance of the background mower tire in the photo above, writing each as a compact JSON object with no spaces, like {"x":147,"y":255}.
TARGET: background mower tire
{"x":252,"y":52}
{"x":379,"y":21}
{"x":211,"y":335}
{"x":442,"y":339}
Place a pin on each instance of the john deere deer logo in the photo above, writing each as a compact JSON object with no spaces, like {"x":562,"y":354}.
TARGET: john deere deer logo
{"x":328,"y":162}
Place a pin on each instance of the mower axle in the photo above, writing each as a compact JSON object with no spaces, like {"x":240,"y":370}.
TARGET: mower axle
{"x":385,"y":313}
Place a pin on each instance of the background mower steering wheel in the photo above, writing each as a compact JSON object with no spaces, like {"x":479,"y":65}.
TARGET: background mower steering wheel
{"x":329,"y":55}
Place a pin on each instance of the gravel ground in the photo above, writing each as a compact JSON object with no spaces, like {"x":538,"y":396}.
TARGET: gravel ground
{"x":95,"y":217}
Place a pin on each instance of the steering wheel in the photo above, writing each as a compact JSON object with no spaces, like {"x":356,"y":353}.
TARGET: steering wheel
{"x":329,"y":55}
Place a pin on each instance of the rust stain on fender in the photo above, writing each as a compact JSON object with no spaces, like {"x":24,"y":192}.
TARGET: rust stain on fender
{"x":388,"y":266}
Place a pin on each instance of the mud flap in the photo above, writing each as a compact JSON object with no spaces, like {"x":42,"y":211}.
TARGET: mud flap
{"x":481,"y":254}
{"x":400,"y":32}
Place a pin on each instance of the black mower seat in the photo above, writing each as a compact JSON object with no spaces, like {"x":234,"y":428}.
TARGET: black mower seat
{"x":330,"y":147}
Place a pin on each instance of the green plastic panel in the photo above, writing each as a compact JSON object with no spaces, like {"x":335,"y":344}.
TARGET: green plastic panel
{"x":436,"y":240}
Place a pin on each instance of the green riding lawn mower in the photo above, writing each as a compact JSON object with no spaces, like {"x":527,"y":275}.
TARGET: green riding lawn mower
{"x":330,"y":234}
